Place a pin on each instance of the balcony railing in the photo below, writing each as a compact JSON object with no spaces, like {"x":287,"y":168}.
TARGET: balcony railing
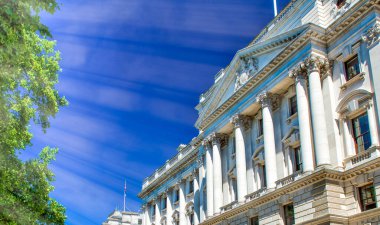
{"x":289,"y":179}
{"x":229,"y":206}
{"x":183,"y":151}
{"x":365,"y":156}
{"x":256,"y":194}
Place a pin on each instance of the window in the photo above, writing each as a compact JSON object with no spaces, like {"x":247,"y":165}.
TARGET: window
{"x":289,"y":214}
{"x":264,"y":177}
{"x":340,"y":3}
{"x":254,"y":220}
{"x":361,"y":134}
{"x":293,"y":105}
{"x":176,"y":195}
{"x":153,"y":210}
{"x":164,"y":203}
{"x":367,"y":197}
{"x":352,"y":67}
{"x":297,"y":159}
{"x":234,"y":188}
{"x":260,"y":127}
{"x":191,"y":218}
{"x":191,"y":186}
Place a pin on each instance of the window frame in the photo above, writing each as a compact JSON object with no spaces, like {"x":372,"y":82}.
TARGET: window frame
{"x":345,"y":64}
{"x":254,"y":220}
{"x":292,"y":110}
{"x":362,"y":134}
{"x":288,"y":219}
{"x":298,"y":165}
{"x":363,"y":207}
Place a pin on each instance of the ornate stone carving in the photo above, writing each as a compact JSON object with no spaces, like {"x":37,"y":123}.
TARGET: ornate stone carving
{"x":268,"y":99}
{"x":312,"y":64}
{"x":372,"y":36}
{"x":206,"y":143}
{"x":218,"y":138}
{"x":339,"y":10}
{"x":241,"y":121}
{"x":248,"y":67}
{"x":200,"y":161}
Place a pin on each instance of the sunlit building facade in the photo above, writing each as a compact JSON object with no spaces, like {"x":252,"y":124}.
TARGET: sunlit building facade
{"x":288,"y":132}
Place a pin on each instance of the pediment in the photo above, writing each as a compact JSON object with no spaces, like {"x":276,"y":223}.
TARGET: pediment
{"x":247,"y":63}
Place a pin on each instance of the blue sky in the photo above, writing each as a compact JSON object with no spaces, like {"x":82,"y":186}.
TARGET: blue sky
{"x":133,"y":71}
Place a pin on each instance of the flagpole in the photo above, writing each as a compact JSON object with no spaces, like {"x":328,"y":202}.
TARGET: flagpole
{"x":125,"y":190}
{"x":275,"y":7}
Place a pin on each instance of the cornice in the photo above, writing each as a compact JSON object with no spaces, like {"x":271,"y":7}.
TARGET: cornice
{"x":312,"y":32}
{"x":354,"y":14}
{"x":179,"y":165}
{"x":315,"y":177}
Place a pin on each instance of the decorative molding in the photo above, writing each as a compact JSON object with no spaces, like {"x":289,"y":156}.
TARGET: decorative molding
{"x":264,"y":197}
{"x":337,"y":11}
{"x":372,"y":36}
{"x":268,"y":99}
{"x":218,"y":138}
{"x":248,"y":67}
{"x":239,"y":120}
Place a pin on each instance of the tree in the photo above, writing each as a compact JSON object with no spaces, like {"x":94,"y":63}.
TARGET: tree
{"x":29,"y":67}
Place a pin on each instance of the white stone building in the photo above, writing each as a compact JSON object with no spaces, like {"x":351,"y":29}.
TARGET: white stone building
{"x":289,"y":131}
{"x":123,"y":218}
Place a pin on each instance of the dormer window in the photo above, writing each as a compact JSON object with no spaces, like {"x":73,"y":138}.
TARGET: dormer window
{"x":352,"y":67}
{"x":340,"y":3}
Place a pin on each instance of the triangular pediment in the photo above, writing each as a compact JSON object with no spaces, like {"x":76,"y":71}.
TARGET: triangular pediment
{"x":247,"y":63}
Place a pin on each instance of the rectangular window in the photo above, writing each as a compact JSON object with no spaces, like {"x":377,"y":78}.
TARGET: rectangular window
{"x":352,"y":67}
{"x":153,"y":210}
{"x":264,"y":176}
{"x":164,"y":203}
{"x":293,"y":105}
{"x":191,"y":186}
{"x":289,"y":214}
{"x":260,"y":127}
{"x":367,"y":197}
{"x":254,"y":220}
{"x":297,"y":159}
{"x":176,"y":195}
{"x":361,"y":134}
{"x":191,"y":217}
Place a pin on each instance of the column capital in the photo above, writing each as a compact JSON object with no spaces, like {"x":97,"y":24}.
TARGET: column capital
{"x":200,"y":161}
{"x":268,"y":99}
{"x":313,"y":63}
{"x":372,"y":35}
{"x":206,"y":143}
{"x":239,"y":120}
{"x":217,"y":138}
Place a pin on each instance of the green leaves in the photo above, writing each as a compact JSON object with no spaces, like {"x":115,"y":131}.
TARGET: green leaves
{"x":29,"y":67}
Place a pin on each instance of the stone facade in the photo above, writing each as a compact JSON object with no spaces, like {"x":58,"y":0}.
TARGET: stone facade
{"x":289,"y":131}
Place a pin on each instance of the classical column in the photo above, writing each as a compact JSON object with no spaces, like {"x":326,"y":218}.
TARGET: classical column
{"x":372,"y":125}
{"x":316,"y":65}
{"x":372,"y":40}
{"x":267,"y":99}
{"x":348,"y":141}
{"x":182,"y":203}
{"x":201,"y":185}
{"x":209,"y":178}
{"x":217,"y":171}
{"x":303,"y":120}
{"x":146,"y":214}
{"x":168,"y":208}
{"x":239,"y":122}
{"x":158,"y":211}
{"x":196,"y":197}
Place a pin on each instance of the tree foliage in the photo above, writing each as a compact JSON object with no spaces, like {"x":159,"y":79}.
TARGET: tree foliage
{"x":29,"y":67}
